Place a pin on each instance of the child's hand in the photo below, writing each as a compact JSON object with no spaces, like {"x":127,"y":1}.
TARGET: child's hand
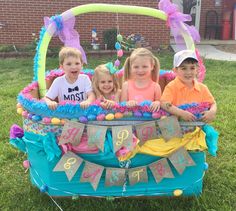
{"x":187,"y":116}
{"x":107,"y":104}
{"x":131,"y":103}
{"x":52,"y":104}
{"x":208,"y":116}
{"x":155,"y":106}
{"x":85,"y":104}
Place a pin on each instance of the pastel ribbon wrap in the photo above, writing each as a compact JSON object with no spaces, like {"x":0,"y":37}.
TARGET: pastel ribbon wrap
{"x":63,"y":27}
{"x":176,"y":21}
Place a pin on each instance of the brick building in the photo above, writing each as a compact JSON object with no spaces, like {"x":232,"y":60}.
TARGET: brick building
{"x":20,"y":18}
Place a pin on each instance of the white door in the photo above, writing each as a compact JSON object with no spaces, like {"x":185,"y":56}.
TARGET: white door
{"x":192,"y":7}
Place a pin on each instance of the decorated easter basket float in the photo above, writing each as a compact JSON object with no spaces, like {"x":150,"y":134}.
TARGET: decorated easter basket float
{"x":110,"y":153}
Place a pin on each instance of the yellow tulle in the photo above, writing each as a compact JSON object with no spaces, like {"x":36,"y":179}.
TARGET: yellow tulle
{"x":159,"y":147}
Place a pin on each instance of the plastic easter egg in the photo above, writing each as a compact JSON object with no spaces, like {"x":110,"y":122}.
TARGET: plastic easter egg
{"x":137,"y":114}
{"x":18,"y":105}
{"x":24,"y":114}
{"x":55,"y":121}
{"x":43,"y":188}
{"x":46,"y":120}
{"x":206,"y":166}
{"x":36,"y":118}
{"x":91,"y":117}
{"x":117,"y":46}
{"x":178,"y":192}
{"x":128,"y":113}
{"x":118,"y":115}
{"x":63,"y":121}
{"x":109,"y":116}
{"x":147,"y":114}
{"x":30,"y":116}
{"x":117,"y":63}
{"x":156,"y":115}
{"x":120,"y":53}
{"x":19,"y":110}
{"x":119,"y":37}
{"x":101,"y":117}
{"x":83,"y":119}
{"x":163,"y":117}
{"x":26,"y":164}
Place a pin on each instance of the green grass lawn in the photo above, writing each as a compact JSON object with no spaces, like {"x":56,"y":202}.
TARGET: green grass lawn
{"x":17,"y":193}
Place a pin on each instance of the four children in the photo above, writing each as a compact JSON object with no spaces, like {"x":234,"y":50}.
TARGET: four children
{"x":141,"y":74}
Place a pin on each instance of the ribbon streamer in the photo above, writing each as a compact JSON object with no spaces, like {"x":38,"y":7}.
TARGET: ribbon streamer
{"x":63,"y":27}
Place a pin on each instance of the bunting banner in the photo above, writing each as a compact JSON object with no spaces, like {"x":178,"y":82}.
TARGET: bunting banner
{"x":161,"y":169}
{"x":137,"y":175}
{"x":170,"y":128}
{"x":146,"y":131}
{"x":96,"y":136}
{"x":115,"y":177}
{"x":180,"y":159}
{"x":69,"y":163}
{"x":122,"y":136}
{"x":92,"y":174}
{"x":72,"y":132}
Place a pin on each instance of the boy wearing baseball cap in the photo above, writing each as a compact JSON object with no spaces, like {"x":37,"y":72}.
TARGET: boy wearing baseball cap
{"x":186,"y":89}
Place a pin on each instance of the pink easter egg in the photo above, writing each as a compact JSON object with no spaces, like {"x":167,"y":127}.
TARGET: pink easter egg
{"x":101,"y":117}
{"x":46,"y":120}
{"x":120,"y":53}
{"x":156,"y":115}
{"x":24,"y":114}
{"x":26,"y":164}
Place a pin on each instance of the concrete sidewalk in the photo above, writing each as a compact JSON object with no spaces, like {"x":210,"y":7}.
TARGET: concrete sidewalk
{"x":208,"y":50}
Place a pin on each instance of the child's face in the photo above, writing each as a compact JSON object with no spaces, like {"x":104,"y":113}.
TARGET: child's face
{"x":72,"y":66}
{"x":105,"y":83}
{"x":141,"y":68}
{"x":187,"y":72}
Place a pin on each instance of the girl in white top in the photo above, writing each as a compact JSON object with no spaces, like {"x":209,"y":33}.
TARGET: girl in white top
{"x":105,"y":85}
{"x":72,"y":86}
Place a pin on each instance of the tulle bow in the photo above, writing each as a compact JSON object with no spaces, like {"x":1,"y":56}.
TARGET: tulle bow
{"x":175,"y":20}
{"x":64,"y":29}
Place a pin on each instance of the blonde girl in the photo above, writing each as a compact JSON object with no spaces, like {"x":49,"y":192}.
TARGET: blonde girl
{"x":105,"y":85}
{"x":141,"y":79}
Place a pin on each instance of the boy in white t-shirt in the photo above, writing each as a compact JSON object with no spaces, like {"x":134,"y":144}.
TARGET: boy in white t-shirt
{"x":72,"y":86}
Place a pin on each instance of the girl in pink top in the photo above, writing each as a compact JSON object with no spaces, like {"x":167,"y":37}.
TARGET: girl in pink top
{"x":141,"y":79}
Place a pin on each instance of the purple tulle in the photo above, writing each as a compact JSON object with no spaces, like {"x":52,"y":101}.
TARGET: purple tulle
{"x":16,"y":132}
{"x":175,"y":21}
{"x":63,"y":27}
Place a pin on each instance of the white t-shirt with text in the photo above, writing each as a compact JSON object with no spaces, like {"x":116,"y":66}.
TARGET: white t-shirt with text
{"x":70,"y":92}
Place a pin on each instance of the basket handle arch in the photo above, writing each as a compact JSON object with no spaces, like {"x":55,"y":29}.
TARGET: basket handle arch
{"x":40,"y":61}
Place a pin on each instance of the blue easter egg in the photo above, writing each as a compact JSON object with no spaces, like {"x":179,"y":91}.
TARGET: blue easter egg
{"x":117,"y":46}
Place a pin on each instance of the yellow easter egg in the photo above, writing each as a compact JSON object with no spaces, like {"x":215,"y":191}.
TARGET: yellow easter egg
{"x":118,"y":115}
{"x":19,"y":110}
{"x":163,"y":117}
{"x":178,"y":192}
{"x":55,"y":121}
{"x":109,"y":117}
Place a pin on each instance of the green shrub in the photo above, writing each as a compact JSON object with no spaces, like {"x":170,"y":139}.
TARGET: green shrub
{"x":109,"y":38}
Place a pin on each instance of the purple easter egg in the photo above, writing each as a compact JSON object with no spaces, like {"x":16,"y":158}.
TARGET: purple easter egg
{"x":83,"y":119}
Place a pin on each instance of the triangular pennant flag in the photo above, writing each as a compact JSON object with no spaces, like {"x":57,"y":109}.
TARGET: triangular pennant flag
{"x":72,"y":132}
{"x":69,"y":163}
{"x":115,"y":177}
{"x":161,"y":169}
{"x":180,"y":159}
{"x":122,"y":136}
{"x":137,"y":175}
{"x":92,"y":174}
{"x":96,"y":136}
{"x":146,"y":131}
{"x":170,"y":128}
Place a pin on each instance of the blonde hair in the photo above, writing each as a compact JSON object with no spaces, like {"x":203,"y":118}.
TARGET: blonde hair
{"x":102,"y":70}
{"x":142,"y":52}
{"x":66,"y":52}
